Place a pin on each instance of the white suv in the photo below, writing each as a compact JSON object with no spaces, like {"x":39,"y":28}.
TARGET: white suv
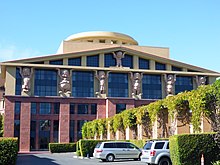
{"x":156,"y":152}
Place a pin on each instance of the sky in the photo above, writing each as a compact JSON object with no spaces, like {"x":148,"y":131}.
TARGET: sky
{"x":189,"y":28}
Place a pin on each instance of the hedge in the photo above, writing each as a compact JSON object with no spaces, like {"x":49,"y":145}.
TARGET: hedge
{"x":62,"y":147}
{"x":87,"y":146}
{"x":8,"y":151}
{"x":187,"y":149}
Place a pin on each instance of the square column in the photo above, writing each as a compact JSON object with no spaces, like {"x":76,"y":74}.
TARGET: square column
{"x":25,"y":122}
{"x":9,"y":118}
{"x":64,"y":123}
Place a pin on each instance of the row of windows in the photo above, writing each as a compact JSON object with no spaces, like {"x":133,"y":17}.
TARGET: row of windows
{"x":109,"y":60}
{"x":45,"y":84}
{"x":46,"y":108}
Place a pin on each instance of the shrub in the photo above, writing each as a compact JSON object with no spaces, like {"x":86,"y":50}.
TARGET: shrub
{"x":8,"y":151}
{"x":187,"y":149}
{"x":62,"y":147}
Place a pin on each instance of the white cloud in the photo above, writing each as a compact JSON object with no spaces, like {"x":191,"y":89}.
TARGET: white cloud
{"x":13,"y":52}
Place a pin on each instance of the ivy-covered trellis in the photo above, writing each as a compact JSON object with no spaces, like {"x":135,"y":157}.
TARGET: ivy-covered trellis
{"x":189,"y":107}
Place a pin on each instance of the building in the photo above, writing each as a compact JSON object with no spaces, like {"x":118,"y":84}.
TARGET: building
{"x":93,"y":75}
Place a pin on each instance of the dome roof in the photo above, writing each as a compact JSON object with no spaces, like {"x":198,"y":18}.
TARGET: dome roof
{"x":102,"y":35}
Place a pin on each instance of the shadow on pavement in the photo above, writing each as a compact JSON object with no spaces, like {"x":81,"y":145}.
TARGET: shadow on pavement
{"x":25,"y":159}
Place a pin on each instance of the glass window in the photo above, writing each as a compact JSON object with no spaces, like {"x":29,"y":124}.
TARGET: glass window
{"x":16,"y":128}
{"x":93,"y":61}
{"x":144,"y":64}
{"x":168,"y":146}
{"x":183,"y":83}
{"x":44,"y":134}
{"x":147,"y":146}
{"x":159,"y":145}
{"x":33,"y":135}
{"x":45,"y":82}
{"x":45,"y":108}
{"x":93,"y":109}
{"x":110,"y":60}
{"x":120,"y":108}
{"x":56,"y":62}
{"x":17,"y":107}
{"x":174,"y":68}
{"x":72,"y":131}
{"x":160,"y":66}
{"x":55,"y":130}
{"x":33,"y":108}
{"x":121,"y":145}
{"x":74,"y":61}
{"x":82,"y":84}
{"x":118,"y":85}
{"x":72,"y":108}
{"x":109,"y":145}
{"x":56,"y":108}
{"x":83,"y":109}
{"x":151,"y":87}
{"x":127,"y":61}
{"x":79,"y":128}
{"x":18,"y":82}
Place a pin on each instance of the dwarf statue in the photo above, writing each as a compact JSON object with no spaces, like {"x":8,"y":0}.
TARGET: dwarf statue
{"x":118,"y":56}
{"x":65,"y":82}
{"x":170,"y":80}
{"x":101,"y":77}
{"x":136,"y":83}
{"x":26,"y":74}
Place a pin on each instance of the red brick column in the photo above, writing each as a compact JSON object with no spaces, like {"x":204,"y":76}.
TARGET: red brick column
{"x":111,"y":108}
{"x":9,"y":118}
{"x":25,"y":123}
{"x":101,"y":109}
{"x":64,"y":123}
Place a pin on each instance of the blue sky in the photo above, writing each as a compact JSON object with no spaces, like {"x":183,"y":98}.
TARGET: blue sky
{"x":190,"y":28}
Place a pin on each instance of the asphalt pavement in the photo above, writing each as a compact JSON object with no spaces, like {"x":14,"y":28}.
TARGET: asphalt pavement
{"x":46,"y":158}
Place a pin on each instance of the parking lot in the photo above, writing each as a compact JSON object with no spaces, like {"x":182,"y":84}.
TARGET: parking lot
{"x":65,"y":159}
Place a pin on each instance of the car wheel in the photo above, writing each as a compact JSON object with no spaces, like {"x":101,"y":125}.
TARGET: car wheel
{"x":164,"y":161}
{"x":110,"y":158}
{"x":139,"y":158}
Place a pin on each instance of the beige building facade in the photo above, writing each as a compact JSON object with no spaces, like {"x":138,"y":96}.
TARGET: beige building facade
{"x":93,"y":75}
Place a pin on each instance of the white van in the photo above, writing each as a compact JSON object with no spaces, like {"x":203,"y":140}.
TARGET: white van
{"x":108,"y":151}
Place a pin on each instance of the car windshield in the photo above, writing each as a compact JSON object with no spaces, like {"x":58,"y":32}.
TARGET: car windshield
{"x":147,"y":146}
{"x":98,"y":145}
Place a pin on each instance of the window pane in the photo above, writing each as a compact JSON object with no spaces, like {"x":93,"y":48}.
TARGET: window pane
{"x":160,"y":66}
{"x":72,"y":108}
{"x":72,"y":124}
{"x":45,"y":82}
{"x":82,"y":84}
{"x":45,"y":108}
{"x":143,"y":63}
{"x":33,"y":108}
{"x":55,"y":130}
{"x":120,"y":108}
{"x":56,"y":62}
{"x":17,"y":107}
{"x":93,"y":109}
{"x":93,"y":60}
{"x":110,"y":60}
{"x":159,"y":145}
{"x":83,"y":108}
{"x":18,"y":82}
{"x":127,"y":61}
{"x":151,"y":87}
{"x":183,"y":83}
{"x":56,"y":108}
{"x":74,"y":61}
{"x":118,"y":85}
{"x":174,"y":68}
